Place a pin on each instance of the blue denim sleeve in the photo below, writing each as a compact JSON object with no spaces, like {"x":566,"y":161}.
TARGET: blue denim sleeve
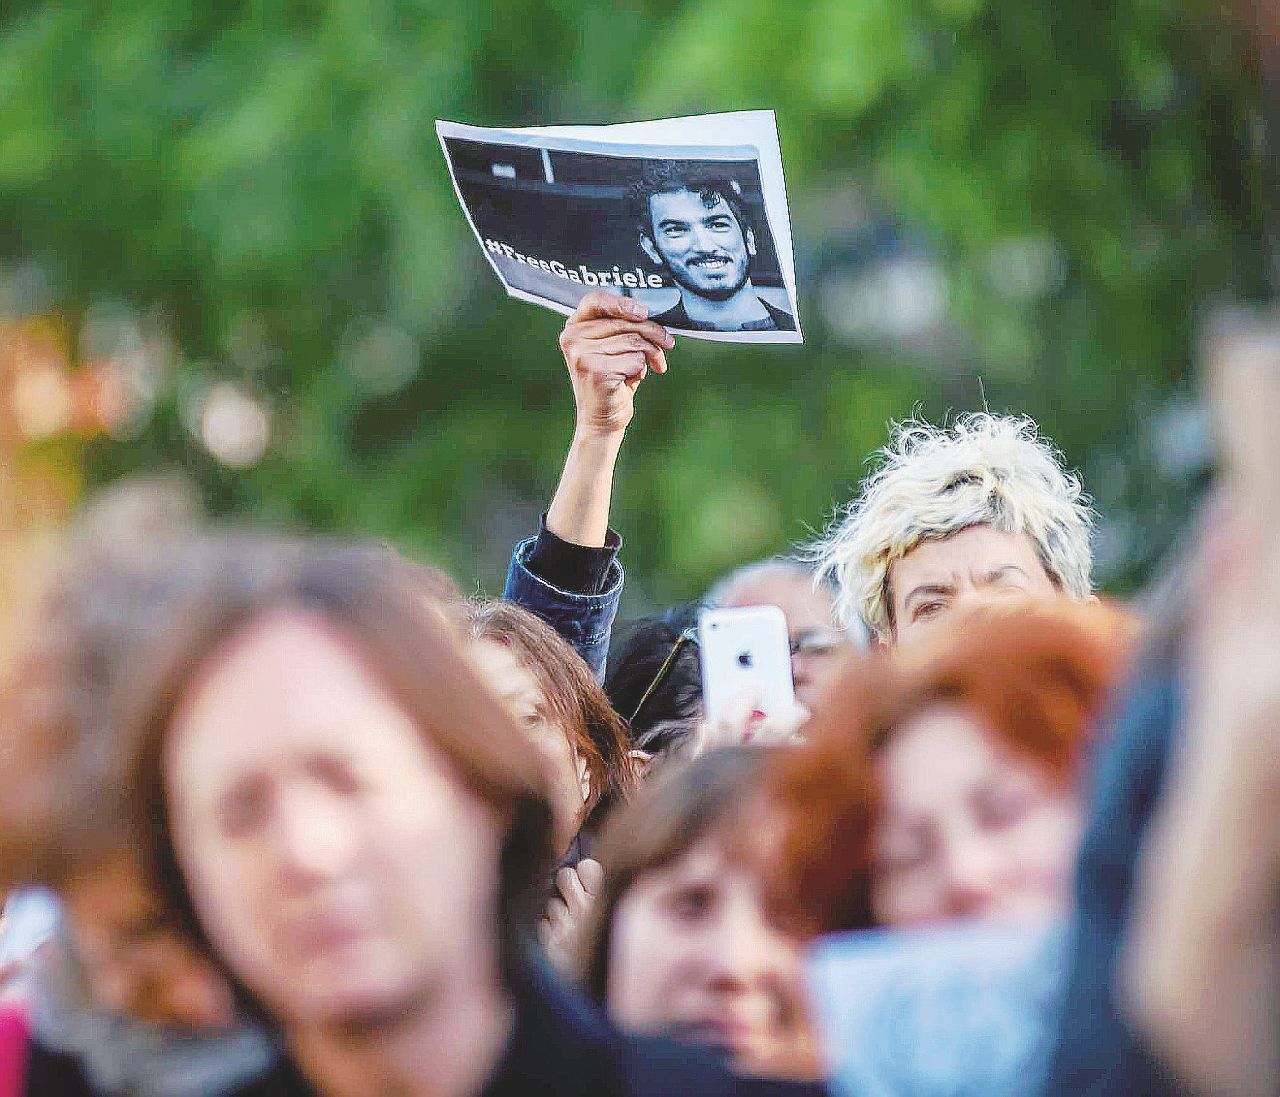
{"x":584,"y":620}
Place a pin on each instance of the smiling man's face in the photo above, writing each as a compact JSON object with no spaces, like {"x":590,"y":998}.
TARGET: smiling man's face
{"x":703,"y":245}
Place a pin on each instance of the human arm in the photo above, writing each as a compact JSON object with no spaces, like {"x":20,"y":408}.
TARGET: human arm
{"x":1202,"y":972}
{"x":569,"y":574}
{"x":609,"y":347}
{"x":1201,"y":978}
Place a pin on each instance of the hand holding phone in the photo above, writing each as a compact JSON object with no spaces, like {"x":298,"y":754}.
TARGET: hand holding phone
{"x":745,"y":653}
{"x":742,"y":723}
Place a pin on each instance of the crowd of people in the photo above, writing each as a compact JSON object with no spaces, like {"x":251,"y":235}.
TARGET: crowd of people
{"x":291,"y":816}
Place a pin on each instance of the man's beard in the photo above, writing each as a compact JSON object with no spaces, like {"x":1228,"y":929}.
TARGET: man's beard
{"x":710,"y":293}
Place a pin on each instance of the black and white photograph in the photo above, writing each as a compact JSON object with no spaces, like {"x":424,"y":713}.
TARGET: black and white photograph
{"x":688,"y":230}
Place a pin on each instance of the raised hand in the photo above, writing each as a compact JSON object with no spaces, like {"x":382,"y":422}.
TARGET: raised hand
{"x":609,"y":347}
{"x":742,"y":722}
{"x":560,"y":929}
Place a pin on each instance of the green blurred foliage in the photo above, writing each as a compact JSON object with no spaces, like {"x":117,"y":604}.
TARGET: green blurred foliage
{"x":263,"y":177}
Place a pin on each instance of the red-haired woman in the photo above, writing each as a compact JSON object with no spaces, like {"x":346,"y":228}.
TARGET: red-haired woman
{"x":943,"y":782}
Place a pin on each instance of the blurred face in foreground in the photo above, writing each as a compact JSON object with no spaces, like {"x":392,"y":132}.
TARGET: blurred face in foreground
{"x":937,"y":578}
{"x":135,"y":962}
{"x":692,"y":955}
{"x":335,"y":862}
{"x":568,"y":783}
{"x":967,"y":827}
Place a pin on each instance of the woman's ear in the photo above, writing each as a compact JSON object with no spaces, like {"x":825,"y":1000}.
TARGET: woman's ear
{"x":642,"y":760}
{"x":584,"y":777}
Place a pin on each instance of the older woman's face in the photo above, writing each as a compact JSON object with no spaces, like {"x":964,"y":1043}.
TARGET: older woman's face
{"x":564,"y":769}
{"x":968,"y":828}
{"x":980,"y":563}
{"x":334,"y":860}
{"x":692,"y":955}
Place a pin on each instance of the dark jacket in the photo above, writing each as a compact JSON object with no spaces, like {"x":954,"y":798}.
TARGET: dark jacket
{"x":1097,"y":1051}
{"x":573,"y":588}
{"x":562,"y":1047}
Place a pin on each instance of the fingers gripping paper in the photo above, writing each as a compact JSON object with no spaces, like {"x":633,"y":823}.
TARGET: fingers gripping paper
{"x":687,"y":215}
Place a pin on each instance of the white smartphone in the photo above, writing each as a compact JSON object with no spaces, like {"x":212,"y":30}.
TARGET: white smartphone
{"x":745,"y":652}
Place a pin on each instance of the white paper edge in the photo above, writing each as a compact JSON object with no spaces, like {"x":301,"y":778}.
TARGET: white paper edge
{"x":759,"y":128}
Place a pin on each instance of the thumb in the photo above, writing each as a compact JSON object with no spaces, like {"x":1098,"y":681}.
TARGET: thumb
{"x":591,"y":875}
{"x":735,"y":722}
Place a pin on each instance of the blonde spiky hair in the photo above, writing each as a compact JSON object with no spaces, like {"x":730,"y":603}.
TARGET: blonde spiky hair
{"x":933,"y":482}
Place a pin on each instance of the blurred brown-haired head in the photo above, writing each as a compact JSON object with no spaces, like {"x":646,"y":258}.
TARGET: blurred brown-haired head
{"x":575,"y":703}
{"x":682,"y":941}
{"x":381,"y":612}
{"x":65,"y":822}
{"x":112,"y":585}
{"x":676,"y":806}
{"x":1034,"y":677}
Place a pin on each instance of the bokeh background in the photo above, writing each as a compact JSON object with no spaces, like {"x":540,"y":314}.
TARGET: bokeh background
{"x":229,"y":251}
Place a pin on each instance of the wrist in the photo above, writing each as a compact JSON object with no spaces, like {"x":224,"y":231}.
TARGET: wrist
{"x":598,"y":439}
